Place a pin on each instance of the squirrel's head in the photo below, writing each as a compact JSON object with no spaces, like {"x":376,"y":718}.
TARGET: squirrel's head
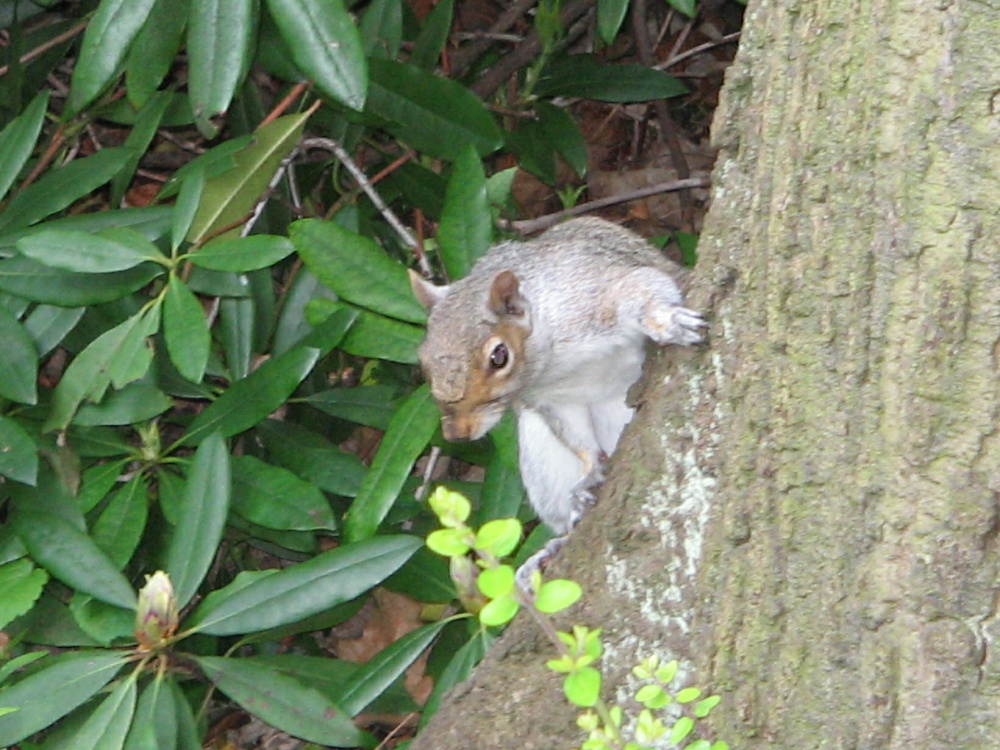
{"x":473,"y":355}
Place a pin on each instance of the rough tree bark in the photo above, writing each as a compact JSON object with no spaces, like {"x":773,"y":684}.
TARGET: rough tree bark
{"x":806,"y":512}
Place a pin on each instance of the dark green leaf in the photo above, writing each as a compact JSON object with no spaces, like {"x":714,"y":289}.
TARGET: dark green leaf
{"x":154,"y":49}
{"x":119,"y":528}
{"x":610,"y":14}
{"x":370,"y":405}
{"x":433,"y":36}
{"x":21,"y":584}
{"x":386,"y":666}
{"x":102,"y":622}
{"x":31,"y":280}
{"x":325,"y":46}
{"x":585,"y":76}
{"x":20,"y":361}
{"x":246,"y":402}
{"x":312,"y":457}
{"x":435,"y":115}
{"x":244,"y":253}
{"x":563,"y":135}
{"x":276,"y":498}
{"x":18,"y":452}
{"x":687,"y":7}
{"x":219,"y":43}
{"x":185,"y":330}
{"x":281,"y":701}
{"x":147,"y":123}
{"x":375,"y":336}
{"x":108,"y":725}
{"x":466,"y":230}
{"x":105,"y":252}
{"x":105,"y":44}
{"x":52,"y":692}
{"x":305,"y":589}
{"x":72,"y":557}
{"x":48,"y":325}
{"x":116,"y":357}
{"x":202,"y":518}
{"x":407,"y":436}
{"x":356,"y":268}
{"x":17,"y":140}
{"x":60,"y":187}
{"x":134,"y":403}
{"x":382,"y":29}
{"x":458,"y":670}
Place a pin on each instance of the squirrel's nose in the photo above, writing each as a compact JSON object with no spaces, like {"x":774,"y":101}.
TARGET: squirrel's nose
{"x":458,"y":429}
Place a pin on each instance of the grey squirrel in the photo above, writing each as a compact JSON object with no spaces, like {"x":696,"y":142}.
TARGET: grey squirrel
{"x":555,"y":329}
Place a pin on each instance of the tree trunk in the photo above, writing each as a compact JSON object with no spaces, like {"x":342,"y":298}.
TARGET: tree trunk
{"x":805,"y":513}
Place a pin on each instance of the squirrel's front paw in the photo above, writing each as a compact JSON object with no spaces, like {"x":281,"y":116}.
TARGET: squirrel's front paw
{"x":676,"y":325}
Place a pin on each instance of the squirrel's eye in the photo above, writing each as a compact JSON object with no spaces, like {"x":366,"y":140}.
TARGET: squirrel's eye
{"x":499,"y":356}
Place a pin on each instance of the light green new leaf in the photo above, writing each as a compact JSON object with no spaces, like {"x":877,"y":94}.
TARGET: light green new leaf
{"x":325,"y":46}
{"x":379,"y":672}
{"x":117,"y":356}
{"x":281,"y":701}
{"x":104,"y":252}
{"x":18,"y":452}
{"x":409,"y":431}
{"x":52,"y":692}
{"x":21,"y":584}
{"x":17,"y":140}
{"x":220,"y":40}
{"x":60,"y":187}
{"x":203,"y":512}
{"x":108,"y":725}
{"x":248,"y":401}
{"x":302,"y":590}
{"x":229,"y":197}
{"x":356,"y":268}
{"x":185,"y":330}
{"x":466,"y":229}
{"x":20,"y":361}
{"x":72,"y":557}
{"x":435,"y":115}
{"x":275,"y":498}
{"x":105,"y":44}
{"x":243,"y":254}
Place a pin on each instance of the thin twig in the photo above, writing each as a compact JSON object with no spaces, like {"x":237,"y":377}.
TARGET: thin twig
{"x":530,"y":226}
{"x":50,"y":153}
{"x":297,"y":90}
{"x":463,"y":58}
{"x":727,"y":39}
{"x":47,"y":45}
{"x":329,"y":144}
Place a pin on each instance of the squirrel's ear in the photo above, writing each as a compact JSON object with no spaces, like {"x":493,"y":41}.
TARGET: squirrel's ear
{"x":505,"y":295}
{"x":427,"y":294}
